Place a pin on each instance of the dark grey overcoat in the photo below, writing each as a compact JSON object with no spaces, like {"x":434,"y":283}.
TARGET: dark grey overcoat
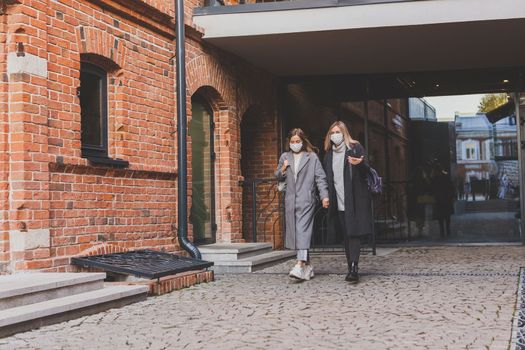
{"x":358,"y":199}
{"x":300,"y":197}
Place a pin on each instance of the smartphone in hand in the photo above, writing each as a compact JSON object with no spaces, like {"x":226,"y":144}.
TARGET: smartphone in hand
{"x":353,"y":152}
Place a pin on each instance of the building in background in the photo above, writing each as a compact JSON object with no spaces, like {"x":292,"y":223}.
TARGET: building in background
{"x":421,"y":109}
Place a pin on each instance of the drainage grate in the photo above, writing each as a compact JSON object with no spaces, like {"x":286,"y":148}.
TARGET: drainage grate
{"x":142,"y":263}
{"x":518,"y":336}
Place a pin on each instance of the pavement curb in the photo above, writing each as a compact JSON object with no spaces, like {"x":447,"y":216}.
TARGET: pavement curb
{"x":518,"y":325}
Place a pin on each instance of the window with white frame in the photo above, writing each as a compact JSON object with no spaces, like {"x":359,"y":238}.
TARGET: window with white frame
{"x":470,"y":150}
{"x":488,"y":152}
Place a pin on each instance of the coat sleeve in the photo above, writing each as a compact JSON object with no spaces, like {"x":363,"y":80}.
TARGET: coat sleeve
{"x":320,"y":179}
{"x":278,"y":174}
{"x":363,"y":167}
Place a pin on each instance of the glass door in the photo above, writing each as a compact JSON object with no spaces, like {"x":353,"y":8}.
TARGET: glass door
{"x":202,"y":213}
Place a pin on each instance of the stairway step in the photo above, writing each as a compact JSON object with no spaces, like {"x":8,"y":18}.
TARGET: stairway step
{"x":253,"y":263}
{"x":30,"y":288}
{"x":233,"y":251}
{"x":32,"y":316}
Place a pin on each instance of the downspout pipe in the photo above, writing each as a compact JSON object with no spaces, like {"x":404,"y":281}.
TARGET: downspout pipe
{"x":182,"y":158}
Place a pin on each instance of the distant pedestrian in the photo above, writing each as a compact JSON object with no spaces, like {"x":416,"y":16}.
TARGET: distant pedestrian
{"x":443,"y":189}
{"x":302,"y":173}
{"x":350,"y":199}
{"x":504,"y":185}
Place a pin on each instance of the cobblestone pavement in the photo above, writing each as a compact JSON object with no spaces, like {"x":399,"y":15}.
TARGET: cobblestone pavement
{"x":411,"y":298}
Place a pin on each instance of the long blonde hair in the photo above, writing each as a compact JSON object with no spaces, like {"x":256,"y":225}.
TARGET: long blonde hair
{"x":307,"y":145}
{"x":347,"y":139}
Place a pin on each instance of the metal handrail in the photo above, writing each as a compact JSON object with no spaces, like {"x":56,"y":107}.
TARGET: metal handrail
{"x":384,"y":206}
{"x":254,"y":183}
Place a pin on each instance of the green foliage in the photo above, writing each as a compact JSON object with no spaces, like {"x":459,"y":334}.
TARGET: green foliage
{"x":490,"y":102}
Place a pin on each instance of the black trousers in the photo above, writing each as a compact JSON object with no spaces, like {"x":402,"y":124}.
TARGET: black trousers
{"x":352,"y":244}
{"x":444,"y":223}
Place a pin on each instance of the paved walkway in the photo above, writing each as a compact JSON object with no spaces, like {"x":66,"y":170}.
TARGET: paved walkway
{"x":411,"y":298}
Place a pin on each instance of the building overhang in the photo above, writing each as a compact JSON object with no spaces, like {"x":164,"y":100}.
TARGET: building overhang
{"x":328,"y":37}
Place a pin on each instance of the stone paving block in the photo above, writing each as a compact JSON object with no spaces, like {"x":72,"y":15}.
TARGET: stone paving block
{"x":414,"y":298}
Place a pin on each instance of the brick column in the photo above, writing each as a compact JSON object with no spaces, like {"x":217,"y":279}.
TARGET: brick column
{"x":4,"y":151}
{"x":229,"y":193}
{"x":28,"y":215}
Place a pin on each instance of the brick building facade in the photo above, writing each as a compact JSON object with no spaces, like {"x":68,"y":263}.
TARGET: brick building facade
{"x":55,"y":203}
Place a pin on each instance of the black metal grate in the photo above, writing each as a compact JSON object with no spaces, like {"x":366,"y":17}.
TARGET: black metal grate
{"x":142,"y":263}
{"x":519,"y":325}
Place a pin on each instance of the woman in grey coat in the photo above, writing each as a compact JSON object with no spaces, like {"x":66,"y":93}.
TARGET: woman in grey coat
{"x":346,"y":172}
{"x":302,"y":172}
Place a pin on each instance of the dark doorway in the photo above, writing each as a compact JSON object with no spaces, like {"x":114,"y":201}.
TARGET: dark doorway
{"x":201,"y":131}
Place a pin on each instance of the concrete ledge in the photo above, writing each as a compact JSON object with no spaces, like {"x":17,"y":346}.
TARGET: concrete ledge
{"x":20,"y":284}
{"x":69,"y":315}
{"x":233,"y":251}
{"x":48,"y":294}
{"x":38,"y":311}
{"x":233,"y":247}
{"x":254,"y":263}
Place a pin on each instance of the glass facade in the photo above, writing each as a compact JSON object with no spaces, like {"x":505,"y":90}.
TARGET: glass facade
{"x":455,"y":180}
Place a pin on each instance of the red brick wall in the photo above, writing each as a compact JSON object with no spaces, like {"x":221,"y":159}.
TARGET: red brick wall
{"x":259,"y":157}
{"x":28,"y":129}
{"x":53,"y":188}
{"x":4,"y":150}
{"x":88,"y":205}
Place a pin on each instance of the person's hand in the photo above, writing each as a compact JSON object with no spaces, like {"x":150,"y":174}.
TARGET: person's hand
{"x":285,"y":165}
{"x":326,"y":203}
{"x":355,"y":161}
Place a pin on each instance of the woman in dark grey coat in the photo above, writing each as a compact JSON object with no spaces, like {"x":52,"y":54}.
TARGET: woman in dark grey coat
{"x":351,"y":201}
{"x":302,"y":172}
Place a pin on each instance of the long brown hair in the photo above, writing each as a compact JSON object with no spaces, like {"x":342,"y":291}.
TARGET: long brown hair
{"x":307,"y":145}
{"x":347,"y":139}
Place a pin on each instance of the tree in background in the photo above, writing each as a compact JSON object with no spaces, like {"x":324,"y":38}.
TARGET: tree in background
{"x":490,"y":102}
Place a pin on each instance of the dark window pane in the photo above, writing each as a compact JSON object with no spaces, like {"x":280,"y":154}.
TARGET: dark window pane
{"x":93,"y":100}
{"x":202,"y":204}
{"x":91,"y":111}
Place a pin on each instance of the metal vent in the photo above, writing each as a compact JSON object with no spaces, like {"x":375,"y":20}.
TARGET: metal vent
{"x":142,"y":263}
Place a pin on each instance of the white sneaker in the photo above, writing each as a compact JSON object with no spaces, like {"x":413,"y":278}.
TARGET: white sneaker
{"x":297,"y":272}
{"x":309,"y":272}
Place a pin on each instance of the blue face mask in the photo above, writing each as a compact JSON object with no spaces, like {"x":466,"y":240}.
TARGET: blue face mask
{"x":296,"y":147}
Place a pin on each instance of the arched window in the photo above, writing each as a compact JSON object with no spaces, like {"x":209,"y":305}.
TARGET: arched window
{"x":201,"y":130}
{"x":93,"y":95}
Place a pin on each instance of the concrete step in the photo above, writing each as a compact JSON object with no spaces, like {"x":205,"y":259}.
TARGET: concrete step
{"x":23,"y":318}
{"x":30,"y":288}
{"x":253,"y":263}
{"x":233,"y":251}
{"x":492,"y":206}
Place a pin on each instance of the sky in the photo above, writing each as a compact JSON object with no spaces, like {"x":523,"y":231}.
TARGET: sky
{"x":446,"y":106}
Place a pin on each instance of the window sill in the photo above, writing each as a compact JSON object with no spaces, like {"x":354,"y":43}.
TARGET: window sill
{"x":117,"y":163}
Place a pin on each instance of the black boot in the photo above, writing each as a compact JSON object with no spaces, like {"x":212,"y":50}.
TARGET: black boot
{"x":353,"y":276}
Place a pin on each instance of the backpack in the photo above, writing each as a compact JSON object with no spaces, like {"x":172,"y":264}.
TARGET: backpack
{"x":375,"y":182}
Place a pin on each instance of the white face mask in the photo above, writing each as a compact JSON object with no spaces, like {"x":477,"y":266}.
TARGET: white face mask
{"x":336,"y":138}
{"x":296,"y":147}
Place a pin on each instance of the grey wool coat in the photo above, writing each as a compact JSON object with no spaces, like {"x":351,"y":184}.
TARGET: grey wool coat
{"x":300,"y":197}
{"x":358,"y":199}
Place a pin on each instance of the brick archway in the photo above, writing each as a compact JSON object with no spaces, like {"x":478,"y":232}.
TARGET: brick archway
{"x":207,"y":78}
{"x":204,"y":71}
{"x":92,"y":40}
